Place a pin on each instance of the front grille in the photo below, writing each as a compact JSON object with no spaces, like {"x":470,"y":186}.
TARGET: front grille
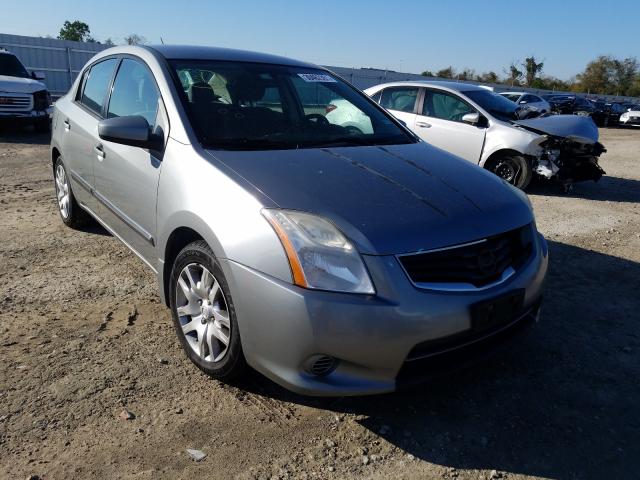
{"x":15,"y":102}
{"x":477,"y":263}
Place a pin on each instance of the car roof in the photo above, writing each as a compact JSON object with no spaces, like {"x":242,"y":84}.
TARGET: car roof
{"x":513,"y":93}
{"x":457,"y":86}
{"x":192,"y":52}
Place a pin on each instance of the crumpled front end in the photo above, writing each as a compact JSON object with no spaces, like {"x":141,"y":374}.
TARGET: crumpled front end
{"x":567,"y":149}
{"x":569,"y":159}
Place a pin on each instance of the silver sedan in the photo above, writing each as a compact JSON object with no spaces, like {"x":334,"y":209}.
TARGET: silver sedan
{"x":333,"y":260}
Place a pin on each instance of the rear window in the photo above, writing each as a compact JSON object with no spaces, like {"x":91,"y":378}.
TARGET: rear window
{"x":96,"y":84}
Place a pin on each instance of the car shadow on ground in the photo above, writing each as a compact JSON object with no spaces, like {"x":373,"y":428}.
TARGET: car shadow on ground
{"x":614,"y":189}
{"x":561,"y":402}
{"x":23,"y":136}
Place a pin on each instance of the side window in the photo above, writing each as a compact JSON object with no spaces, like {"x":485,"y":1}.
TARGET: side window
{"x":445,"y":106}
{"x":402,"y":99}
{"x":134,"y":92}
{"x":95,"y":87}
{"x":530,"y":98}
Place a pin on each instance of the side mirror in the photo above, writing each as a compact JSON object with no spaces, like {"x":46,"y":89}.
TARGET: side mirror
{"x":132,"y":130}
{"x":471,"y":118}
{"x":36,"y":75}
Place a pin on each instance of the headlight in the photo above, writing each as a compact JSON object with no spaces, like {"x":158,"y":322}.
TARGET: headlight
{"x":625,"y":115}
{"x":319,"y":255}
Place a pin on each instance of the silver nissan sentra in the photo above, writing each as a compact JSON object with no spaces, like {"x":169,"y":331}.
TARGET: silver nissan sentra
{"x":336,"y":260}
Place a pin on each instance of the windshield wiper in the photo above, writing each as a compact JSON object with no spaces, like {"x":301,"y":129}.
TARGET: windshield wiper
{"x":251,"y":144}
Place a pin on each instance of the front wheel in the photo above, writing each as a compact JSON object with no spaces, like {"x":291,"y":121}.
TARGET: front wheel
{"x":70,"y":212}
{"x":203,"y":313}
{"x":512,"y":168}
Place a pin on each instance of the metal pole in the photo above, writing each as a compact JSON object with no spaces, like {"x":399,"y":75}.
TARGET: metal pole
{"x":69,"y":65}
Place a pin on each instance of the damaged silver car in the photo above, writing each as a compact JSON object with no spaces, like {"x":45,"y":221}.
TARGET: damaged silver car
{"x":486,"y":128}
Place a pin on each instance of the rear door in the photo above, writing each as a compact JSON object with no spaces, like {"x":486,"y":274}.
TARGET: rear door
{"x":80,"y":129}
{"x":126,"y":177}
{"x":401,"y":102}
{"x":439,"y":123}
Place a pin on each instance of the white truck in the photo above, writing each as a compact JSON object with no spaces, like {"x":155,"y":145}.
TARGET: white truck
{"x":23,"y":98}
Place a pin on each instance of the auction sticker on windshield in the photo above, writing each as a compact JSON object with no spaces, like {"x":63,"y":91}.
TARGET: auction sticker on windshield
{"x":316,"y":77}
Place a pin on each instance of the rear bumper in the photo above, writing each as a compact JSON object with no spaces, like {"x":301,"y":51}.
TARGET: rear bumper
{"x":371,"y":337}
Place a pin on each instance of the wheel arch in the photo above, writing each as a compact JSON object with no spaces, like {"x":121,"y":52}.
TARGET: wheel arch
{"x":499,"y":153}
{"x":177,"y":240}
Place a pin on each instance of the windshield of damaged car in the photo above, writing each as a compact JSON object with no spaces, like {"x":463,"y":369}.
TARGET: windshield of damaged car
{"x":495,"y":104}
{"x":11,"y":67}
{"x":254,"y":106}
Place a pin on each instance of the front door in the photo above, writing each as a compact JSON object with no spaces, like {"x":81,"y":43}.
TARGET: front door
{"x":439,"y":122}
{"x":127,"y":177}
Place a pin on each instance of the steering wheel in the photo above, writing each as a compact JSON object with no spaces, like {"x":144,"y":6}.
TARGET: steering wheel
{"x":319,"y":119}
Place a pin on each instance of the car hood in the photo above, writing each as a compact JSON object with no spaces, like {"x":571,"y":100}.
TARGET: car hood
{"x":571,"y":126}
{"x":20,"y":85}
{"x":386,"y":199}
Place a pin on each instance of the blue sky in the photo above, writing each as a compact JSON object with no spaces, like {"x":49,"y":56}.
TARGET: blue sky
{"x":408,"y":36}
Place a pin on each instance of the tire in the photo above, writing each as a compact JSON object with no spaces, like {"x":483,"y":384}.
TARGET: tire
{"x":203,"y":313}
{"x":42,"y":126}
{"x":72,"y":215}
{"x":512,"y":168}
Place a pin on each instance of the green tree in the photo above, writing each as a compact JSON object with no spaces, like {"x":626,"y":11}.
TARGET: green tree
{"x":134,"y":39}
{"x":448,"y":72}
{"x":466,"y":74}
{"x":598,"y":76}
{"x":532,"y":68}
{"x":625,"y":73}
{"x":427,"y":73}
{"x":77,"y":31}
{"x":488,"y":77}
{"x":514,"y":74}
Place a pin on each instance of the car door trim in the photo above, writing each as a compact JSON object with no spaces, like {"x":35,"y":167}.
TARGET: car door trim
{"x":115,"y":210}
{"x":115,"y":234}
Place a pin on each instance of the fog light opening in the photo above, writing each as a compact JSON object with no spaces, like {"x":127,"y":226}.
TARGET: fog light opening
{"x":320,"y":365}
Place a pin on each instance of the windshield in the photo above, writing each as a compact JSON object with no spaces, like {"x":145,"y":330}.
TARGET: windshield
{"x":254,"y":106}
{"x":511,"y":96}
{"x":495,"y":104}
{"x":11,"y":67}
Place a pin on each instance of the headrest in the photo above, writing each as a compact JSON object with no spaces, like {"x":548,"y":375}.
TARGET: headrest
{"x":247,"y":87}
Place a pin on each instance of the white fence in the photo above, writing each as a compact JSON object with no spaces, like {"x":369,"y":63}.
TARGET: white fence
{"x":60,"y":60}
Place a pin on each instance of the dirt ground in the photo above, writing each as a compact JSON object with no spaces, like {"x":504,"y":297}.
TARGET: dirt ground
{"x":83,"y":336}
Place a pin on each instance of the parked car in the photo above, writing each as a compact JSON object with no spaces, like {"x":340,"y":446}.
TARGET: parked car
{"x":486,"y":129}
{"x":628,"y":106}
{"x":534,"y":102}
{"x":630,"y":117}
{"x":606,"y":114}
{"x":24,"y":100}
{"x":570,"y":104}
{"x":332,"y":261}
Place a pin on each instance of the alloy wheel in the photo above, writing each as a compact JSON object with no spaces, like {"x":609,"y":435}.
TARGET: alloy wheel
{"x":203,"y":312}
{"x":62,"y":191}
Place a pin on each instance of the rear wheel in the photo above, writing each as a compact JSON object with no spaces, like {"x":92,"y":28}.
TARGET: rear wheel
{"x":203,"y":313}
{"x":512,"y":168}
{"x":70,"y":212}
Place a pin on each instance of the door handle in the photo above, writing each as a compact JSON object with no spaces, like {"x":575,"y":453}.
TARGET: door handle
{"x":67,"y":125}
{"x":99,"y":151}
{"x":423,"y":124}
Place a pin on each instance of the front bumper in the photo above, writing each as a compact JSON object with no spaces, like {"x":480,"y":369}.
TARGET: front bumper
{"x":282,"y":325}
{"x":26,"y":117}
{"x":630,"y":121}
